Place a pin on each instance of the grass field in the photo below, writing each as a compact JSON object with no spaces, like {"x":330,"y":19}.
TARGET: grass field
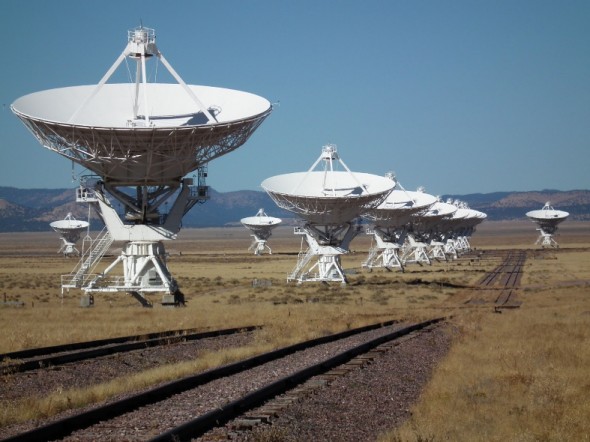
{"x":519,"y":375}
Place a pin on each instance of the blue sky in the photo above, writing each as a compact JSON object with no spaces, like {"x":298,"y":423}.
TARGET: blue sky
{"x":456,"y":96}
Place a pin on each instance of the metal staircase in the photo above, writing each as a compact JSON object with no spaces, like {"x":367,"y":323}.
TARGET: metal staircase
{"x":302,"y":261}
{"x":88,"y":261}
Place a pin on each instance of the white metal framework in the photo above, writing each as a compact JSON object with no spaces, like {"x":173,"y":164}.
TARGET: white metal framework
{"x":423,"y":240}
{"x":390,"y":225}
{"x":141,"y":139}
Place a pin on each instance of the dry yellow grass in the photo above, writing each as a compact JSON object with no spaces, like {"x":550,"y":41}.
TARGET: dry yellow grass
{"x":497,"y":380}
{"x":216,"y":278}
{"x":518,"y":376}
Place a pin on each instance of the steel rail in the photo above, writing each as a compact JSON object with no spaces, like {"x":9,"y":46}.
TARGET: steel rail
{"x":511,"y":281}
{"x":508,"y":270}
{"x":215,"y":418}
{"x":63,"y":427}
{"x":92,"y":349}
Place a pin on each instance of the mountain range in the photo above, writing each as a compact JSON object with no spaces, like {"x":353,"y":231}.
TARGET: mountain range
{"x":33,"y":209}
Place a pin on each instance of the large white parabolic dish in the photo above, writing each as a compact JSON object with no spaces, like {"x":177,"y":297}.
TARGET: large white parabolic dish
{"x":69,"y":227}
{"x":547,"y":218}
{"x":328,"y":199}
{"x":105,"y":139}
{"x":556,"y":216}
{"x":434,"y":215}
{"x":398,"y":208}
{"x":255,"y":222}
{"x":261,"y":224}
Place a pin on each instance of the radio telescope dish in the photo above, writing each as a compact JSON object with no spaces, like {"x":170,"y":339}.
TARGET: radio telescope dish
{"x":426,"y":220}
{"x":261,"y":226}
{"x":328,"y":200}
{"x":399,"y":206}
{"x":141,"y":133}
{"x":70,"y":229}
{"x":328,"y":196}
{"x":140,"y":140}
{"x":389,"y":221}
{"x":456,"y":230}
{"x":547,"y":219}
{"x":421,"y":245}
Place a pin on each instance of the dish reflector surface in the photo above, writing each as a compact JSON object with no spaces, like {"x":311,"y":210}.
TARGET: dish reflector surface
{"x":329,"y":198}
{"x":548,"y":215}
{"x":112,"y":106}
{"x":548,"y":218}
{"x":260,"y":221}
{"x":106,"y":141}
{"x":68,"y":225}
{"x":398,"y":208}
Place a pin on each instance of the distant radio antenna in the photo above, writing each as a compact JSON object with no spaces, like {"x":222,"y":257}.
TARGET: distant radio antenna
{"x":261,"y":226}
{"x":70,"y":229}
{"x":547,"y":219}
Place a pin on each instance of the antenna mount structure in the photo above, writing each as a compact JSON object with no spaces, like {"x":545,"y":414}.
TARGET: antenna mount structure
{"x":547,"y":219}
{"x":140,"y":152}
{"x":328,"y":200}
{"x":261,"y":226}
{"x":389,"y":225}
{"x":70,"y":229}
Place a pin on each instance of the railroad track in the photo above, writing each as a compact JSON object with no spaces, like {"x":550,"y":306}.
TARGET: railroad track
{"x":32,"y":359}
{"x":191,"y":406}
{"x":505,"y":278}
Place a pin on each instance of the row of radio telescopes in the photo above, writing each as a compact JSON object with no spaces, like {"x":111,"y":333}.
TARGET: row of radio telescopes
{"x":140,"y":141}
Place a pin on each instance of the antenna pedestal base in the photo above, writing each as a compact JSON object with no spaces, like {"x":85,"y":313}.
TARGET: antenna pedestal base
{"x":546,"y":240}
{"x":259,"y":245}
{"x":321,"y":260}
{"x":415,"y":252}
{"x":436,"y":251}
{"x":462,"y":244}
{"x":144,"y":271}
{"x":385,"y":253}
{"x":68,"y":249}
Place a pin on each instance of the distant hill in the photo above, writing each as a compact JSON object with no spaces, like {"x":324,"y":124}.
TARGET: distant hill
{"x":514,"y":205}
{"x":33,"y":209}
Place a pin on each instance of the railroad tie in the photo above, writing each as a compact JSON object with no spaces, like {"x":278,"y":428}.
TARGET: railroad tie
{"x":267,"y":412}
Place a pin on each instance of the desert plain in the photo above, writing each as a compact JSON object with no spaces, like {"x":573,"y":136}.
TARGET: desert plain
{"x":516,"y":375}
